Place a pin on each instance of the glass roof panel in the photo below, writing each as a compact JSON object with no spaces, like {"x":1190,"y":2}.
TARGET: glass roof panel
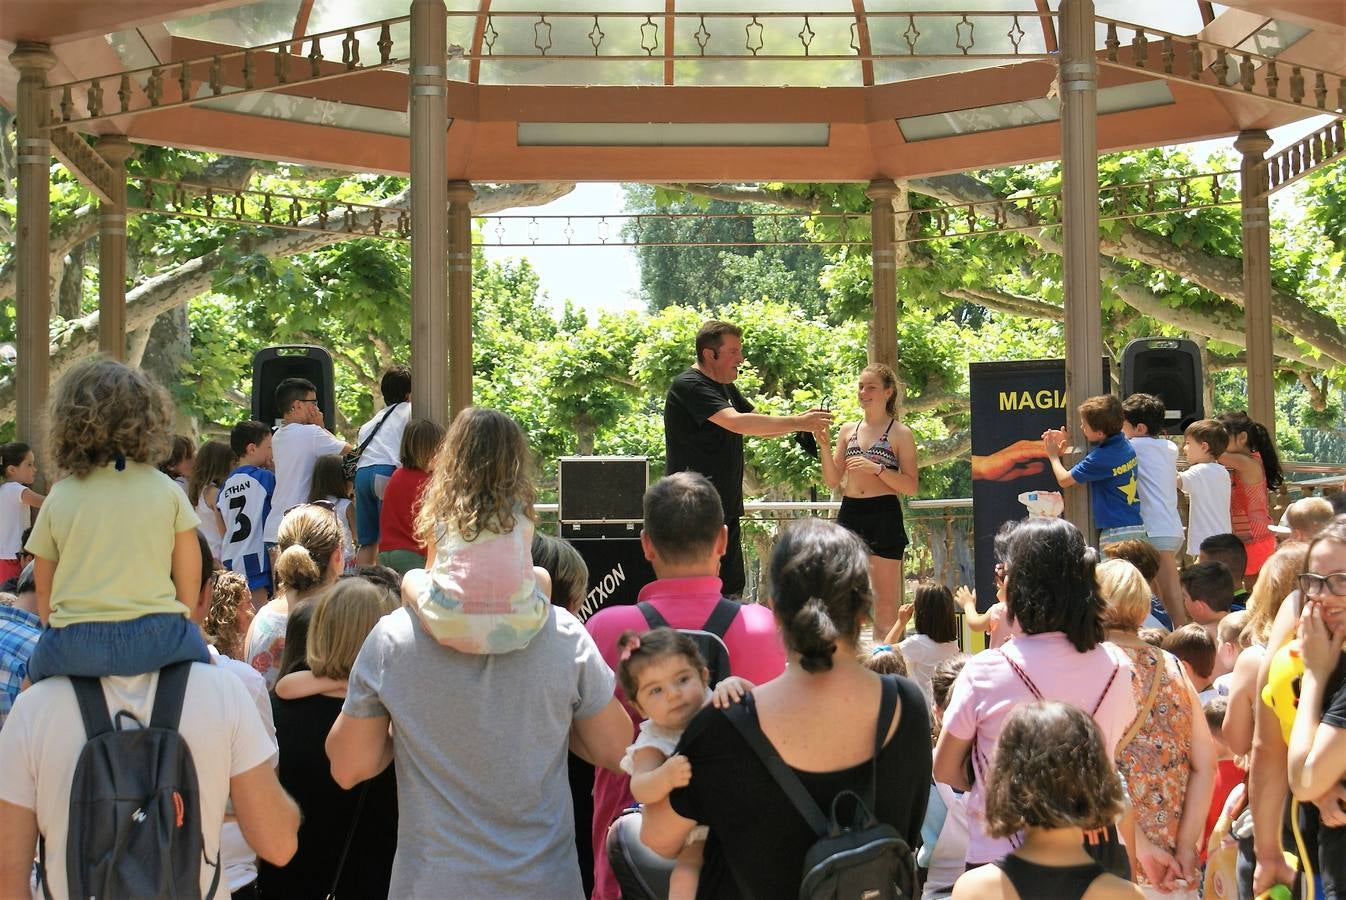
{"x":776,"y":73}
{"x":1175,"y":16}
{"x":572,"y":71}
{"x":263,"y":22}
{"x":315,"y":112}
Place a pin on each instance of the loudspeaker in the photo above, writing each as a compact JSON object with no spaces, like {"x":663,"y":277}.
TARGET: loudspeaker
{"x":618,"y":570}
{"x":1169,"y":368}
{"x":272,"y":365}
{"x":598,"y":490}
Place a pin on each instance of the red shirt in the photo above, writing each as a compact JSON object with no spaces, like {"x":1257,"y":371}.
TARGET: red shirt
{"x":1227,"y":777}
{"x":755,"y":653}
{"x":397,"y":517}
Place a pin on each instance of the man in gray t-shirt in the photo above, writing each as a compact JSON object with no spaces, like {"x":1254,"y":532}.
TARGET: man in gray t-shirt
{"x":480,"y":742}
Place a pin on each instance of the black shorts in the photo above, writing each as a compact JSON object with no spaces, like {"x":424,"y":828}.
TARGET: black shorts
{"x":878,"y":521}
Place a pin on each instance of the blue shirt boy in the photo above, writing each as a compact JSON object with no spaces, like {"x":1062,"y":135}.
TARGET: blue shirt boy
{"x":1110,"y":469}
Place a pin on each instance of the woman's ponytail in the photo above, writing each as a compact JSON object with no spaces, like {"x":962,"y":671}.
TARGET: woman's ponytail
{"x":814,"y":636}
{"x":296,"y":569}
{"x":1271,"y":460}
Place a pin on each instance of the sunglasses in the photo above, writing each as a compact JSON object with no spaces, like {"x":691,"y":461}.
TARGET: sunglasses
{"x":1311,"y":585}
{"x":321,"y":504}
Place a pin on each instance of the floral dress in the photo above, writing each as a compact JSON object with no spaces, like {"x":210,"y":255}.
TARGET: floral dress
{"x":1157,"y":761}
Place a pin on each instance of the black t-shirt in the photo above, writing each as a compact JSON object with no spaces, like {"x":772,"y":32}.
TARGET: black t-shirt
{"x":306,"y":774}
{"x":694,"y":443}
{"x":757,"y":838}
{"x":1332,"y":841}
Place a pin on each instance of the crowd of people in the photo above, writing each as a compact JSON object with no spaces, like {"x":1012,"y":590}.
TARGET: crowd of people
{"x":385,"y":690}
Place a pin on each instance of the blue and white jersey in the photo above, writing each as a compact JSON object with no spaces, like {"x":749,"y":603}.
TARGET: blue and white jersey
{"x":245,"y":502}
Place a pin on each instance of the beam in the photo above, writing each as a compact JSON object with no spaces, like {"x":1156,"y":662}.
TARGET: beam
{"x":116,"y":150}
{"x":1079,"y":220}
{"x":1257,"y":278}
{"x":32,"y":305}
{"x":883,"y":224}
{"x":1324,"y":147}
{"x":461,"y":195}
{"x":429,"y":220}
{"x":84,"y":163}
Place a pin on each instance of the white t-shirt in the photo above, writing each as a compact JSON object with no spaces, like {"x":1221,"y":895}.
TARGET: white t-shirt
{"x":922,"y":656}
{"x":13,"y":519}
{"x":1208,"y":485}
{"x":385,"y":449}
{"x":295,"y":447}
{"x":240,"y":860}
{"x":44,"y":736}
{"x":1158,"y":460}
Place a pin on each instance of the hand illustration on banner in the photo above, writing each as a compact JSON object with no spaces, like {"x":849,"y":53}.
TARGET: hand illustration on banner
{"x":1019,"y":459}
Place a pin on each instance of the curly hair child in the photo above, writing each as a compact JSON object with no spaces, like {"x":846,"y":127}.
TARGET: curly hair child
{"x":118,"y":565}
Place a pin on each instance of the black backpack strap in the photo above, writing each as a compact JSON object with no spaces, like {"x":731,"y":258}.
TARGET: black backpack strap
{"x":92,"y":705}
{"x":721,"y":617}
{"x":652,"y":616}
{"x":743,"y":716}
{"x":887,"y":707}
{"x":169,"y":694}
{"x":369,"y":440}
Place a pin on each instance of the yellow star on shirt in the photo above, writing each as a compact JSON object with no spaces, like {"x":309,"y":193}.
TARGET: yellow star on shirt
{"x":1129,"y":489}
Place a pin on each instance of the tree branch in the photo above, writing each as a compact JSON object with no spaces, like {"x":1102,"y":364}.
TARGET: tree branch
{"x":1215,"y":273}
{"x":737,"y":193}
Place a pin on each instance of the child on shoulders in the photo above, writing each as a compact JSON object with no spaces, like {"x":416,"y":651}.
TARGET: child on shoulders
{"x":117,"y":561}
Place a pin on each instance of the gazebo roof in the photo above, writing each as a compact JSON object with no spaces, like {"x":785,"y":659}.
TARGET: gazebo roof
{"x":693,"y":90}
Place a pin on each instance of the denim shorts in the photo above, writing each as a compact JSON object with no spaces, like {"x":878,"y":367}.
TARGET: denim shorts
{"x":369,"y":484}
{"x":1165,"y":544}
{"x":132,"y":647}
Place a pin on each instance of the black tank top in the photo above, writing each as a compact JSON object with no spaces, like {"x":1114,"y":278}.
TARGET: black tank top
{"x":1031,"y":880}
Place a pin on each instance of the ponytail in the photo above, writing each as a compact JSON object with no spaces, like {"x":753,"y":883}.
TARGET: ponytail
{"x":308,"y":537}
{"x":297,"y":569}
{"x":813,"y":635}
{"x":1271,"y":460}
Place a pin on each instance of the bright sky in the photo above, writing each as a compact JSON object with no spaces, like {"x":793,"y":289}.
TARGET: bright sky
{"x":608,"y":278}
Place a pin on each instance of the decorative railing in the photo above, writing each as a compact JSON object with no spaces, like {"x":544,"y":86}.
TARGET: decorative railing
{"x":361,"y":48}
{"x":760,"y":35}
{"x":1321,"y":148}
{"x":1198,"y":61}
{"x":325,"y":215}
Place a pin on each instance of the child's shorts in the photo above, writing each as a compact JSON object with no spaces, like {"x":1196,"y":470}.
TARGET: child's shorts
{"x":369,"y":484}
{"x":132,"y":647}
{"x":1165,"y":543}
{"x":1258,"y":553}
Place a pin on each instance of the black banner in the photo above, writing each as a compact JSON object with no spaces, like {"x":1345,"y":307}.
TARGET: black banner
{"x":1012,"y":404}
{"x":617,"y":571}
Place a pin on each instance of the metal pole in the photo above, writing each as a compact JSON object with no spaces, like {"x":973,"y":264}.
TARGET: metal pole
{"x":112,"y":250}
{"x":429,"y":212}
{"x":33,"y":286}
{"x":1257,"y":276}
{"x":883,"y":328}
{"x":460,"y":295}
{"x":1079,"y":227}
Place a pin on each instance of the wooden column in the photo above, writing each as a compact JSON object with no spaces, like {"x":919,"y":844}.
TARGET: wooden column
{"x":1079,"y":228}
{"x":32,"y":304}
{"x":1257,"y":277}
{"x":112,"y":250}
{"x":429,"y":209}
{"x":460,"y":295}
{"x":883,"y":327}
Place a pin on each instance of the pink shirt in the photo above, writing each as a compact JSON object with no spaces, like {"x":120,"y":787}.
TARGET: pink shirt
{"x":988,"y":690}
{"x":755,"y":653}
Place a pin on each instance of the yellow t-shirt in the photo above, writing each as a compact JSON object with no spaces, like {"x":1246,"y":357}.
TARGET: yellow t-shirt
{"x":111,"y":536}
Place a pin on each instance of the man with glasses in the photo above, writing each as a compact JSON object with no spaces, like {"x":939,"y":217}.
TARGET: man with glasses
{"x":296,"y":446}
